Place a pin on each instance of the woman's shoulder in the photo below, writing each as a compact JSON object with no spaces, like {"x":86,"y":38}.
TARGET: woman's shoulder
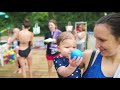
{"x":32,"y":34}
{"x":87,"y":54}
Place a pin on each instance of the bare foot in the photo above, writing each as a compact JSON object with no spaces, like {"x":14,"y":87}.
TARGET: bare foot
{"x":15,"y":71}
{"x":19,"y":71}
{"x":49,"y":76}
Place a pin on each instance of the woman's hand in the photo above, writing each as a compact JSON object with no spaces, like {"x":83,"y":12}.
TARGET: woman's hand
{"x":48,"y":40}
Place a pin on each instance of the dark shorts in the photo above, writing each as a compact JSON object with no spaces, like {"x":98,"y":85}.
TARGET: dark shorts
{"x":24,"y":53}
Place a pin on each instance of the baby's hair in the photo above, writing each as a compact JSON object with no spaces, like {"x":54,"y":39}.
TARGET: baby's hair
{"x":15,"y":30}
{"x":11,"y":31}
{"x":63,"y":36}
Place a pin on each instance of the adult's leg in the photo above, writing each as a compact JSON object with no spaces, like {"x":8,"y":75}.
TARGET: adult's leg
{"x":78,"y":46}
{"x":82,"y":46}
{"x":29,"y":62}
{"x":50,"y":64}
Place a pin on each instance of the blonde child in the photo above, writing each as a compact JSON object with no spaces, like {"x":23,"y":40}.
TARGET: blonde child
{"x":15,"y":46}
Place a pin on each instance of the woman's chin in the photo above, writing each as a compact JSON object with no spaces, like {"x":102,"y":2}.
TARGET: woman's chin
{"x":103,"y":52}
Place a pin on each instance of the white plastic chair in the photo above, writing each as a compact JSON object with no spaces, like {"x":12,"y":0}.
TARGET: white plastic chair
{"x":2,"y":50}
{"x":1,"y":60}
{"x":1,"y":55}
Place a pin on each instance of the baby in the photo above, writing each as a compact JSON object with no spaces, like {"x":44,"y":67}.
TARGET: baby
{"x":65,"y":67}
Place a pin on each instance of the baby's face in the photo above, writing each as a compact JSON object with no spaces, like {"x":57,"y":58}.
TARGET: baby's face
{"x":66,"y":47}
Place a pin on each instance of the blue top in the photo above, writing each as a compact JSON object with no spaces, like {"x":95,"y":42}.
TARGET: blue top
{"x":95,"y":70}
{"x":62,"y":61}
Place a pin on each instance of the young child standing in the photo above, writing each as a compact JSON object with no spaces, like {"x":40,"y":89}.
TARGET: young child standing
{"x":65,"y":67}
{"x":15,"y":47}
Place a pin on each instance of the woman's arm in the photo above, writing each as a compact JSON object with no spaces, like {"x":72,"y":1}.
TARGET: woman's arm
{"x":32,"y":35}
{"x":82,"y":35}
{"x":86,"y":59}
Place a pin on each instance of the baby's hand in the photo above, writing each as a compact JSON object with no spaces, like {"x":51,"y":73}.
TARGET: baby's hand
{"x":75,"y":61}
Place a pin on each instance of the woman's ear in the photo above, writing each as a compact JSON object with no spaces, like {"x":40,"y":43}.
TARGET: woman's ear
{"x":119,"y":40}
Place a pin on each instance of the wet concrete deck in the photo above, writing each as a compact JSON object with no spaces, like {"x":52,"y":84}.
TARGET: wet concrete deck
{"x":39,"y":67}
{"x":39,"y":63}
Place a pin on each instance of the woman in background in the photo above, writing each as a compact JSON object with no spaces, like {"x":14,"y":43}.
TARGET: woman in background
{"x":50,"y":41}
{"x":25,"y":38}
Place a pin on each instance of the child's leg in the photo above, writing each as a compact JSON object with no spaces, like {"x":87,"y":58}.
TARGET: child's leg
{"x":18,"y":67}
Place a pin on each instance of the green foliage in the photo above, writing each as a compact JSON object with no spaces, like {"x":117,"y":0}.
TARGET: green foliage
{"x":41,"y":18}
{"x":16,"y":19}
